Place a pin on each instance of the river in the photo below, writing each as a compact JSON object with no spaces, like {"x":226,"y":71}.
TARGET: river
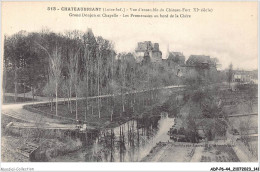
{"x":129,"y":142}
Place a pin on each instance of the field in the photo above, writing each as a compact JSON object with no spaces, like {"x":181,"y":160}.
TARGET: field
{"x":188,"y":152}
{"x":219,"y":153}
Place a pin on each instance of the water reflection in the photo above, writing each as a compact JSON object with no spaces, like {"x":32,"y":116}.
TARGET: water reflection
{"x":129,"y":142}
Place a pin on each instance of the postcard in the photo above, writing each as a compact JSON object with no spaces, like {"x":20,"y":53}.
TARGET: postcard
{"x":96,"y":82}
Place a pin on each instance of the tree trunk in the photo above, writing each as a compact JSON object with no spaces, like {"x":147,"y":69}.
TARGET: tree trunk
{"x":87,"y":67}
{"x":56,"y":98}
{"x":15,"y":83}
{"x":86,"y":114}
{"x":51,"y":99}
{"x":111,"y":118}
{"x":98,"y":90}
{"x":107,"y":99}
{"x":123,"y":101}
{"x":23,"y":90}
{"x":32,"y":89}
{"x":86,"y":108}
{"x":76,"y":102}
{"x":70,"y":101}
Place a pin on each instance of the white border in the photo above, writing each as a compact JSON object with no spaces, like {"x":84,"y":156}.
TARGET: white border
{"x":135,"y":166}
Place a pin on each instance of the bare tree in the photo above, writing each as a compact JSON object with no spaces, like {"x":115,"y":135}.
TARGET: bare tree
{"x":86,"y":78}
{"x":74,"y":78}
{"x":70,"y":81}
{"x":55,"y":69}
{"x":49,"y":89}
{"x":98,"y":79}
{"x":230,"y":74}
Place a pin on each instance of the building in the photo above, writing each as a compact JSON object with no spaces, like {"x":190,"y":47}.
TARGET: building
{"x":176,"y":61}
{"x":202,"y":66}
{"x":176,"y":57}
{"x":152,"y":49}
{"x":201,"y":61}
{"x":242,"y":76}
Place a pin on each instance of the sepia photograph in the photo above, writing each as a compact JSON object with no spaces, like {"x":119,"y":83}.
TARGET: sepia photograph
{"x":129,"y":82}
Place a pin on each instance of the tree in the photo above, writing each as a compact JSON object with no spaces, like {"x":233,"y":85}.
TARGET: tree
{"x":55,"y":69}
{"x":14,"y":57}
{"x":98,"y":79}
{"x":230,"y":74}
{"x":74,"y":77}
{"x":121,"y":76}
{"x":251,"y":96}
{"x":84,"y":86}
{"x":191,"y":132}
{"x":104,"y":57}
{"x":49,"y":89}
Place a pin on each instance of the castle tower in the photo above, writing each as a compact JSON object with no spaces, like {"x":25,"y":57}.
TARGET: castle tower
{"x":148,"y":47}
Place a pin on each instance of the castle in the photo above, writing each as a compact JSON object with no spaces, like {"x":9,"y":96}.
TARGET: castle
{"x":148,"y":48}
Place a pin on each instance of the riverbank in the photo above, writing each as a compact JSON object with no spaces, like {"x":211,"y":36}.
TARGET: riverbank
{"x":48,"y":148}
{"x":146,"y":116}
{"x":16,"y":135}
{"x":129,"y":142}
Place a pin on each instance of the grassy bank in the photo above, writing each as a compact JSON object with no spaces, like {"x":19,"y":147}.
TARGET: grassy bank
{"x":113,"y":111}
{"x":51,"y":143}
{"x":48,"y":148}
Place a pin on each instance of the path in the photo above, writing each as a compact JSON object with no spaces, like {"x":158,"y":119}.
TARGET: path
{"x":16,"y":110}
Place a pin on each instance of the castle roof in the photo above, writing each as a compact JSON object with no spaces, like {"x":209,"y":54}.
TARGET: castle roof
{"x":147,"y":46}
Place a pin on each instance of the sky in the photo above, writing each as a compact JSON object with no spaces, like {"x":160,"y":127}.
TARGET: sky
{"x":229,"y":33}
